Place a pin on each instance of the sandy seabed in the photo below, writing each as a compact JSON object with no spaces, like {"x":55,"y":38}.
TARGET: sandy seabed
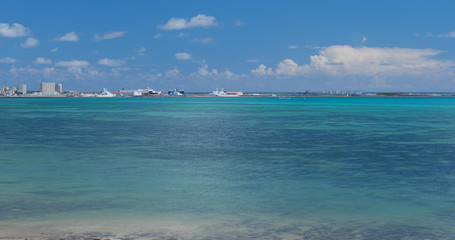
{"x":207,"y":230}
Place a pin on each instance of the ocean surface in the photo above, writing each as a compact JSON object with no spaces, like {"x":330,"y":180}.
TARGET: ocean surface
{"x":227,"y":168}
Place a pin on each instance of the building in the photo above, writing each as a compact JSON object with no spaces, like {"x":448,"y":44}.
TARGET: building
{"x":59,"y":88}
{"x":48,"y":88}
{"x":22,"y":89}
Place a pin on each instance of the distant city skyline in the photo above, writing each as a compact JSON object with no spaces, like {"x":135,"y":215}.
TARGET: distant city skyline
{"x":235,"y":45}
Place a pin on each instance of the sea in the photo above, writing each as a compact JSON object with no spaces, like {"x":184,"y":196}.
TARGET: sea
{"x":227,"y":168}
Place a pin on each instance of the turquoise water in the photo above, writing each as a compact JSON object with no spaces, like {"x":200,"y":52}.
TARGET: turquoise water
{"x":228,"y":168}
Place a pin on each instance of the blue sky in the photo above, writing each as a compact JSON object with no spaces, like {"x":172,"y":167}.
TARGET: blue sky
{"x":236,"y":45}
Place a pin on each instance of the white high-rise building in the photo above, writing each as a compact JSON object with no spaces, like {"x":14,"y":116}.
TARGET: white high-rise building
{"x":22,"y":89}
{"x":59,"y":88}
{"x":48,"y":88}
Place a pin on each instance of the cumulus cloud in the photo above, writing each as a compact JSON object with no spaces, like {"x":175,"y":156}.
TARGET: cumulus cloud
{"x":74,"y":66}
{"x":110,"y":35}
{"x":262,"y":70}
{"x":289,"y":67}
{"x":364,"y":39}
{"x":377,"y":61}
{"x":230,"y":74}
{"x":69,"y":37}
{"x":203,"y":40}
{"x":364,"y":61}
{"x":213,"y":74}
{"x":7,"y":60}
{"x":30,"y":42}
{"x":41,"y":60}
{"x":111,"y":62}
{"x":293,"y":46}
{"x":72,"y":63}
{"x":204,"y":71}
{"x":53,"y":50}
{"x":285,"y":67}
{"x":200,"y":20}
{"x":158,"y":36}
{"x":13,"y":30}
{"x":183,"y":56}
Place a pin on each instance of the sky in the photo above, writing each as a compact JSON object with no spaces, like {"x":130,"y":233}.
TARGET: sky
{"x":236,"y":45}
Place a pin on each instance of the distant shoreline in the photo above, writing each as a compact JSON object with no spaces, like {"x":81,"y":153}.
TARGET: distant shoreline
{"x":271,"y":95}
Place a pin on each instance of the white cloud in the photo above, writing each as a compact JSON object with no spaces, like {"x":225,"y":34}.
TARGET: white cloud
{"x":41,"y":60}
{"x":69,"y":37}
{"x":293,"y":46}
{"x":13,"y":30}
{"x":141,"y":51}
{"x":213,"y":74}
{"x":200,"y":20}
{"x":75,"y":70}
{"x":285,"y":67}
{"x":72,"y":63}
{"x":204,"y":70}
{"x":7,"y":60}
{"x":158,"y":36}
{"x":289,"y":67}
{"x":448,"y":35}
{"x":48,"y":70}
{"x":364,"y":39}
{"x":230,"y":74}
{"x":262,"y":70}
{"x":111,"y":62}
{"x":203,"y":40}
{"x":239,"y":23}
{"x":172,"y":73}
{"x":96,"y":73}
{"x":30,"y":42}
{"x":53,"y":50}
{"x":182,"y":35}
{"x":183,"y":56}
{"x":122,"y":69}
{"x":115,"y":72}
{"x":364,"y":61}
{"x":377,"y":61}
{"x":110,"y":35}
{"x":27,"y":70}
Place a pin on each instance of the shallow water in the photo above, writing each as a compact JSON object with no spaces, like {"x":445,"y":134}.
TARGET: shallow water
{"x":236,"y":168}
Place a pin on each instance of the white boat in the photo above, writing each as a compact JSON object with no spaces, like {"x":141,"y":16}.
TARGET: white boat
{"x":221,"y":93}
{"x":105,"y":93}
{"x":87,"y":95}
{"x":151,"y":92}
{"x":176,"y":92}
